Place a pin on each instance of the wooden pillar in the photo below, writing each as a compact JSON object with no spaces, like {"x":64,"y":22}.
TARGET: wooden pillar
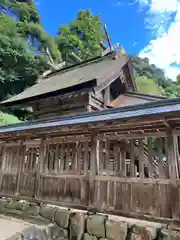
{"x":141,"y":158}
{"x":2,"y":166}
{"x":171,"y":156}
{"x":20,"y":166}
{"x":93,"y":168}
{"x":177,"y":154}
{"x":132,"y":159}
{"x":39,"y":168}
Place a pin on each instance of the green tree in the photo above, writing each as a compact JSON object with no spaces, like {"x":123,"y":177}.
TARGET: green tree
{"x":82,"y":37}
{"x":29,"y":25}
{"x":19,"y":64}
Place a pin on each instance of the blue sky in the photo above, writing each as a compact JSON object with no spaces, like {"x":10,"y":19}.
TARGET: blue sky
{"x":149,"y":28}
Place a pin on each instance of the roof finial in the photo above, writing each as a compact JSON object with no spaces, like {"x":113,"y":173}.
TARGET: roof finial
{"x":110,"y":48}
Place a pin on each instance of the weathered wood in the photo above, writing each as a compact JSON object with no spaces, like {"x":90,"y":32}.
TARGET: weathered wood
{"x":21,"y":165}
{"x":78,"y":158}
{"x":96,"y":103}
{"x":94,"y":175}
{"x":141,"y":158}
{"x":86,"y":158}
{"x":171,"y":157}
{"x":132,"y":160}
{"x":62,"y":157}
{"x":177,"y":154}
{"x":160,"y":158}
{"x":116,"y":157}
{"x":150,"y":157}
{"x":123,"y":162}
{"x":107,"y":95}
{"x":58,"y":106}
{"x":39,"y":168}
{"x":93,"y":168}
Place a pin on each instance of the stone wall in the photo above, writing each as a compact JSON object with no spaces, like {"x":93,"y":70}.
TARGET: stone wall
{"x":75,"y":225}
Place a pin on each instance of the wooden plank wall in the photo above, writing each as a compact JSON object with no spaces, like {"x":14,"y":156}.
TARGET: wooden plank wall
{"x":126,"y":175}
{"x":61,"y":106}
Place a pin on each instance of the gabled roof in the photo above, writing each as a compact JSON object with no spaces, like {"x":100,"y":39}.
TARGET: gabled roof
{"x":134,"y":98}
{"x":91,"y":73}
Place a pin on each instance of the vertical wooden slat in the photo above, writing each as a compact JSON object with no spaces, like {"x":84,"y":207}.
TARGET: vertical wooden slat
{"x":32,"y":150}
{"x":160,"y":157}
{"x":132,"y":159}
{"x":46,"y":170}
{"x":2,"y":166}
{"x":116,"y":157}
{"x":39,"y":167}
{"x":176,"y":150}
{"x":67,"y":157}
{"x":141,"y":158}
{"x":21,"y":165}
{"x":123,"y":161}
{"x":98,"y":158}
{"x":62,"y":157}
{"x":73,"y":157}
{"x":57,"y":166}
{"x":150,"y":157}
{"x":8,"y":157}
{"x":101,"y":157}
{"x":86,"y":157}
{"x":177,"y":154}
{"x":92,"y":172}
{"x":78,"y":159}
{"x":107,"y":157}
{"x":108,"y":193}
{"x":120,"y":160}
{"x":171,"y":156}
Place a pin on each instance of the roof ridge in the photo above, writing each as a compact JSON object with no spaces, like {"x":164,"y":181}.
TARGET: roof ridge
{"x":81,"y":64}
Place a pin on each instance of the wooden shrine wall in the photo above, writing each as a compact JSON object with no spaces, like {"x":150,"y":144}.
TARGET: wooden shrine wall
{"x":128,"y":176}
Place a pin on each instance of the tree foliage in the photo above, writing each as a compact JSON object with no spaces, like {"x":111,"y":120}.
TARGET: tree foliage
{"x":151,"y":79}
{"x":82,"y":36}
{"x":23,"y":43}
{"x":19,"y":64}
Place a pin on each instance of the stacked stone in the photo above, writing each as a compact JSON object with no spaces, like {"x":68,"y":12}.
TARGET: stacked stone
{"x":66,"y":224}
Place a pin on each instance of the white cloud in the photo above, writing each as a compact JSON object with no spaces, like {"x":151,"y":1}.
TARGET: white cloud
{"x":160,"y":6}
{"x":164,"y":49}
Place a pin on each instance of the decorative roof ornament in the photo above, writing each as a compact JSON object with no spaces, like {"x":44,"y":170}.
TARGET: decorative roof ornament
{"x":110,"y":48}
{"x":52,"y":65}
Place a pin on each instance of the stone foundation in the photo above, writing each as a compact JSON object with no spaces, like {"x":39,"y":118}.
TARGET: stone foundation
{"x":68,"y":224}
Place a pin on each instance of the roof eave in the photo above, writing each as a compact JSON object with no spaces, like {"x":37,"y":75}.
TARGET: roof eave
{"x":116,"y":114}
{"x":89,"y":84}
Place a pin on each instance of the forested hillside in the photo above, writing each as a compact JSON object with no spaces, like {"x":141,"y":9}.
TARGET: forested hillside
{"x":27,"y":50}
{"x":151,"y":79}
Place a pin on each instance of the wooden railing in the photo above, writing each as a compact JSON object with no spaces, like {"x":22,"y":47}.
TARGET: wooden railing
{"x":127,"y":175}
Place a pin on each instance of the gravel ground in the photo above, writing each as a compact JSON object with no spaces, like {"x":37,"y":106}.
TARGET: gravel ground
{"x":9,"y":227}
